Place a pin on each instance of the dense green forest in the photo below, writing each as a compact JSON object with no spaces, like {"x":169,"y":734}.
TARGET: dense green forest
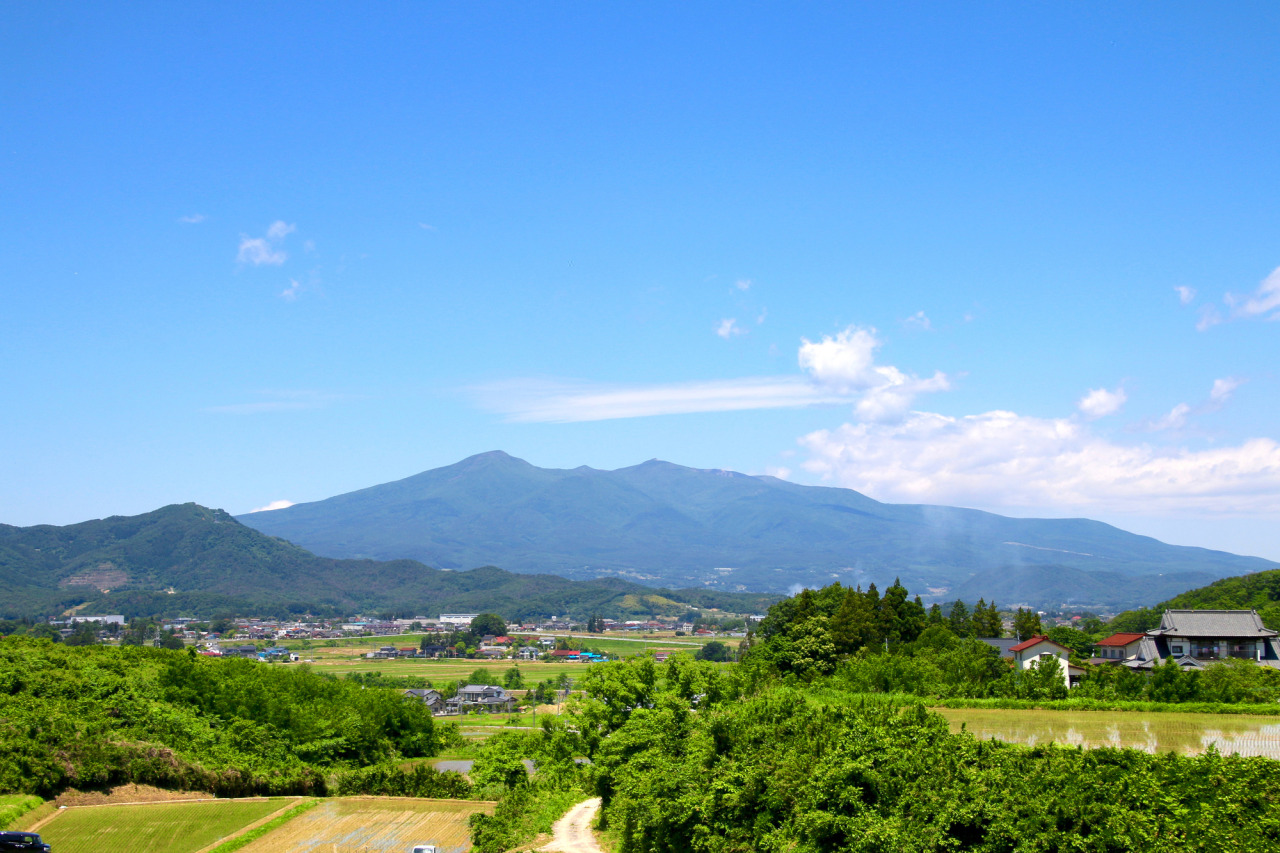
{"x":97,"y":716}
{"x":863,"y":642}
{"x":778,"y":771}
{"x":192,"y":561}
{"x":1259,"y":591}
{"x":689,"y":756}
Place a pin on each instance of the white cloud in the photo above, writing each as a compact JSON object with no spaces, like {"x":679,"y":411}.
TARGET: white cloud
{"x":1209,"y":317}
{"x":1176,"y":419}
{"x":257,"y":251}
{"x":1185,"y":294}
{"x":279,"y":229}
{"x":273,"y":505}
{"x":1001,"y":459}
{"x":782,"y":472}
{"x":1100,"y":402}
{"x":743,"y":284}
{"x":729,"y":328}
{"x":1219,"y":395}
{"x":265,"y":250}
{"x":290,"y":293}
{"x":846,"y":363}
{"x":840,"y":370}
{"x":1222,"y":390}
{"x":1264,"y":300}
{"x":919,"y":321}
{"x":425,"y":227}
{"x":193,"y":219}
{"x":541,"y":401}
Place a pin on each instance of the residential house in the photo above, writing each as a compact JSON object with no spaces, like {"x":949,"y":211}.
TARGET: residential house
{"x":431,"y":698}
{"x":480,"y":697}
{"x":1117,"y":647}
{"x":1031,"y":653}
{"x":1194,"y":638}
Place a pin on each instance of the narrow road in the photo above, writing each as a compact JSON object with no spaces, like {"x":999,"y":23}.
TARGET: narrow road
{"x":573,"y":831}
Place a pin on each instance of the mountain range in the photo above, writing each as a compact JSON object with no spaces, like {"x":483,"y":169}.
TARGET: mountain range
{"x":190,"y":560}
{"x":662,"y":524}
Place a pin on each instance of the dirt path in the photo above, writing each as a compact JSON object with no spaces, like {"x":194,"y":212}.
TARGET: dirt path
{"x":573,"y":831}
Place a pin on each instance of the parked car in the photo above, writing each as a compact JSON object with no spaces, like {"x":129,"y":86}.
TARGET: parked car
{"x":23,"y":841}
{"x":425,"y":848}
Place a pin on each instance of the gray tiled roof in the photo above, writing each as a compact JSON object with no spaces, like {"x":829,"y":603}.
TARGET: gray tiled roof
{"x":1212,"y":623}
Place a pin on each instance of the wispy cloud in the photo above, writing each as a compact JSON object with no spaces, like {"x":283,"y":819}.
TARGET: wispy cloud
{"x":279,"y":229}
{"x":743,"y":284}
{"x":920,"y":321}
{"x":1264,"y":302}
{"x":729,"y":328}
{"x":1219,"y":395}
{"x":273,"y":505}
{"x":290,"y":293}
{"x":1185,"y":294}
{"x":265,"y":250}
{"x":193,"y":219}
{"x":1209,"y":317}
{"x":1002,"y":459}
{"x":837,"y":370}
{"x":1100,"y":402}
{"x":279,"y":401}
{"x":544,"y":401}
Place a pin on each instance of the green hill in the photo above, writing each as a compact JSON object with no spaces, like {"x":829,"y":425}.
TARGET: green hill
{"x":193,"y":560}
{"x":1259,"y":591}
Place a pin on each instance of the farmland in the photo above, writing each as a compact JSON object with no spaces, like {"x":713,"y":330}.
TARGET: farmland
{"x":351,"y":824}
{"x":171,"y":827}
{"x":1189,"y":734}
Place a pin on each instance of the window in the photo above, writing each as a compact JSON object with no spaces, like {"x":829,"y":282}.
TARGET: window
{"x":1177,"y":650}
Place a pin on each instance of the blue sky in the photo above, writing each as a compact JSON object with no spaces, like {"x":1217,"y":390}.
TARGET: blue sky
{"x":1019,"y":257}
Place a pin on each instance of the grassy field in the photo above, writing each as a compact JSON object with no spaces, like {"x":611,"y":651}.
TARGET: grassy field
{"x":358,"y":824}
{"x":14,"y":806}
{"x":172,"y":827}
{"x":456,"y":669}
{"x":1164,"y":732}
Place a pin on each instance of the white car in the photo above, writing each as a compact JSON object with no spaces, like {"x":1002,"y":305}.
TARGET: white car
{"x":425,"y":848}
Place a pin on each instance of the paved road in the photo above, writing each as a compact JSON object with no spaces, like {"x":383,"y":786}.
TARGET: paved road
{"x":573,"y":831}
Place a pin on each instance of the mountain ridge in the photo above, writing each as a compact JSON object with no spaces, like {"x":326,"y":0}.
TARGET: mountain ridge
{"x":185,"y":558}
{"x":661,"y":523}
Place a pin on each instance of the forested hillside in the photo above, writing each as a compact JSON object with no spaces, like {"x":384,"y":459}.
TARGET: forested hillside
{"x":1259,"y":591}
{"x":97,"y":716}
{"x":187,"y":559}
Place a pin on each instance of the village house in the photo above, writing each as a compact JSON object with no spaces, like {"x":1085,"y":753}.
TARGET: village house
{"x":480,"y":697}
{"x":1194,"y":638}
{"x":1031,"y":653}
{"x":431,"y":698}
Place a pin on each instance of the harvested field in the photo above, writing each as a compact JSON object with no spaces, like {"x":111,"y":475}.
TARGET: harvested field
{"x":170,"y":827}
{"x":369,"y":824}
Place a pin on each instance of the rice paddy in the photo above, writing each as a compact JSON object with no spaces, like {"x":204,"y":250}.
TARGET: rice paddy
{"x":170,"y":827}
{"x":1189,"y":734}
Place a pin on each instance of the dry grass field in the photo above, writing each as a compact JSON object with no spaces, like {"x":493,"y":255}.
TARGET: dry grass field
{"x":170,"y":827}
{"x":1189,"y":734}
{"x":369,"y":824}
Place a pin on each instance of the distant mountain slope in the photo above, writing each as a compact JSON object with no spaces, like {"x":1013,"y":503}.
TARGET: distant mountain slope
{"x":187,"y":558}
{"x":661,"y":523}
